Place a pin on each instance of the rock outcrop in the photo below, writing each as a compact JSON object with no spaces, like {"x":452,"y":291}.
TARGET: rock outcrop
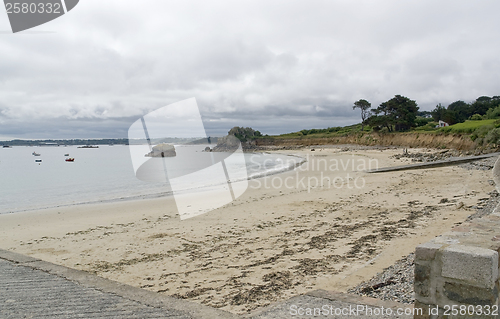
{"x":227,"y":143}
{"x":162,"y":150}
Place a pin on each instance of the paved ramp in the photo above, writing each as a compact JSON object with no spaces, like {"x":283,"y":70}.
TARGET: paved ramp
{"x":448,"y":162}
{"x":31,"y":288}
{"x":29,"y":293}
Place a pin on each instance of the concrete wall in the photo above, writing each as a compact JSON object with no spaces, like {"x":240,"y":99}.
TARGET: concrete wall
{"x":459,"y":269}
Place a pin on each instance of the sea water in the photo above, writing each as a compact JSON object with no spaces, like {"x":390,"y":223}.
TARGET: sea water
{"x":99,"y":175}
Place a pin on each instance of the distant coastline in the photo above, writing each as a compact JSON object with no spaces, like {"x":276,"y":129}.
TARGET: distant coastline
{"x":105,"y":141}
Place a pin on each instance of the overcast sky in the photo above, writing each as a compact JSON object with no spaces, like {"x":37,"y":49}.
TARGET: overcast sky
{"x":277,"y":66}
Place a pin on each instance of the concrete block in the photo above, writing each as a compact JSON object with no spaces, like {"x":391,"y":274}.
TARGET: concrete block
{"x":427,"y":251}
{"x":476,"y":266}
{"x":422,"y":280}
{"x":470,"y":295}
{"x":423,"y":312}
{"x":496,"y":174}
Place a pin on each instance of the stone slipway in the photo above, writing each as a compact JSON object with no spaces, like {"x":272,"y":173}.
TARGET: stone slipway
{"x":442,"y":163}
{"x":32,"y":288}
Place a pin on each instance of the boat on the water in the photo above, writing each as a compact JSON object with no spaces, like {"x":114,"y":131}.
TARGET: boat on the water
{"x":66,"y":154}
{"x":35,"y":154}
{"x":6,"y":146}
{"x":70,"y":159}
{"x":88,"y":146}
{"x":38,"y":161}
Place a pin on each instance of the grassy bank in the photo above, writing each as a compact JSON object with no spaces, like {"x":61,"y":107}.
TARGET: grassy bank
{"x":483,"y":135}
{"x":469,"y":126}
{"x":409,"y":139}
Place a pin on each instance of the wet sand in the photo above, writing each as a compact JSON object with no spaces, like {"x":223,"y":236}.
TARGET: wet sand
{"x":286,"y":235}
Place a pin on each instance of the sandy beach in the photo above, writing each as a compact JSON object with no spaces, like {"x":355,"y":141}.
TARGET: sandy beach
{"x":326,"y":225}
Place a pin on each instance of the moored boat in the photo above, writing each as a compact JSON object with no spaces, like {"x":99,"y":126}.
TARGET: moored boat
{"x":70,"y":159}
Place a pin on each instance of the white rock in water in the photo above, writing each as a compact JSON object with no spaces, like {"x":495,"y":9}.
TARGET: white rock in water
{"x":162,"y":150}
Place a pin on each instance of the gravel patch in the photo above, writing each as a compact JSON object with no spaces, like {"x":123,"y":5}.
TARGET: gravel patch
{"x":394,"y":283}
{"x":484,"y":164}
{"x":427,"y":156}
{"x":433,"y":156}
{"x":485,"y":206}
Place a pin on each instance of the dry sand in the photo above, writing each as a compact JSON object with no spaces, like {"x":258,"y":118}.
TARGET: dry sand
{"x":268,"y":245}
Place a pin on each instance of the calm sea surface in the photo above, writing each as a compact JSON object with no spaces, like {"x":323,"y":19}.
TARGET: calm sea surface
{"x":97,"y":175}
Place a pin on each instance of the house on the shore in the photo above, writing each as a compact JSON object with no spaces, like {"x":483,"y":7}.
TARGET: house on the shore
{"x":442,"y":124}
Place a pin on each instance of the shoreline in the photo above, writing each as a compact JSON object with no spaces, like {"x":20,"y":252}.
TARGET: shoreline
{"x":168,"y":193}
{"x":269,"y":244}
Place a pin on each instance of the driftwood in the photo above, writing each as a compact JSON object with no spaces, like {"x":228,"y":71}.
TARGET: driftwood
{"x":378,"y":286}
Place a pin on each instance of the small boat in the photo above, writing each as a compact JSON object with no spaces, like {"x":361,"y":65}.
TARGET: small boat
{"x":38,"y":161}
{"x":35,"y":154}
{"x":71,"y":159}
{"x":6,"y":146}
{"x":66,"y":154}
{"x":88,"y":146}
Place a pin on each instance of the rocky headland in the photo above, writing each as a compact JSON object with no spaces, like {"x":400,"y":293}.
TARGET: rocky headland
{"x":162,"y":150}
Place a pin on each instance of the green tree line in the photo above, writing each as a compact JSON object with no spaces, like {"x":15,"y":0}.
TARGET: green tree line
{"x":402,"y":114}
{"x":484,"y":107}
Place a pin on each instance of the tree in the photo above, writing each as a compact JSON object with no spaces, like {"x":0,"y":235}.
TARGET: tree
{"x":461,"y":112}
{"x":483,"y":104}
{"x":364,"y":106}
{"x":377,"y":122}
{"x":244,"y":133}
{"x":397,"y":114}
{"x":425,"y":114}
{"x":438,"y":113}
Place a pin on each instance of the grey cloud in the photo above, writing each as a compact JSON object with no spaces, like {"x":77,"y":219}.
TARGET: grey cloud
{"x":278,"y":66}
{"x":71,"y":129}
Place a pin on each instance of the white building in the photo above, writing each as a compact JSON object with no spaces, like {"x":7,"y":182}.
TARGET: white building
{"x":442,"y":124}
